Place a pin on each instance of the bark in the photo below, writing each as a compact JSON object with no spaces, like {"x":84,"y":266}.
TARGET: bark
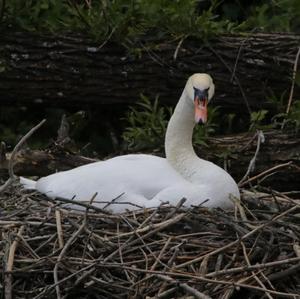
{"x":236,"y":150}
{"x":73,"y":70}
{"x":279,"y":148}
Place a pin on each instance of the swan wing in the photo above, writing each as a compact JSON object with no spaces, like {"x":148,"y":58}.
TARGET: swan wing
{"x":136,"y":178}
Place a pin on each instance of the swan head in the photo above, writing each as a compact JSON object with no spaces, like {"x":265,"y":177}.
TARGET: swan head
{"x":200,"y":89}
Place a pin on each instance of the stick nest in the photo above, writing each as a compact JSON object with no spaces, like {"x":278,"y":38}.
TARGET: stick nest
{"x":49,"y":251}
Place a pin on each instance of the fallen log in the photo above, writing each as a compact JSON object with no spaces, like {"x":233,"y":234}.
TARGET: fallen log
{"x":278,"y":149}
{"x":75,"y":71}
{"x":235,"y":152}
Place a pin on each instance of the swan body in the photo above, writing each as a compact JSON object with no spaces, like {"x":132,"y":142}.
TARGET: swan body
{"x":134,"y":181}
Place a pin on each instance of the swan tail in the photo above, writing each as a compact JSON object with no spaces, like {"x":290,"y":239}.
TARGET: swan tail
{"x":27,"y":183}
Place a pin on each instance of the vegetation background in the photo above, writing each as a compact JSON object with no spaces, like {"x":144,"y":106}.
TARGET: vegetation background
{"x":140,"y":127}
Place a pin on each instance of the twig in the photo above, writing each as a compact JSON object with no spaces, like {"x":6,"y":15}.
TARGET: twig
{"x":68,"y":244}
{"x":293,"y":82}
{"x":143,"y":242}
{"x":238,"y":240}
{"x":235,"y":77}
{"x":239,"y":54}
{"x":184,"y":286}
{"x":29,"y":248}
{"x":59,"y":229}
{"x":10,"y":263}
{"x":33,"y":223}
{"x":260,"y":139}
{"x":83,"y":277}
{"x":79,"y":203}
{"x":161,"y":253}
{"x":120,"y":253}
{"x":63,"y":131}
{"x":296,"y":248}
{"x":94,"y":236}
{"x":80,"y":15}
{"x":13,"y":154}
{"x":284,"y":274}
{"x":152,"y":228}
{"x":114,"y":201}
{"x":155,"y":57}
{"x":178,"y":47}
{"x":165,"y":294}
{"x":176,"y":208}
{"x":107,"y":39}
{"x":207,"y":280}
{"x":132,"y":241}
{"x":62,"y":253}
{"x":253,"y":273}
{"x":49,"y":289}
{"x":252,"y":267}
{"x":267,"y":279}
{"x":265,"y":173}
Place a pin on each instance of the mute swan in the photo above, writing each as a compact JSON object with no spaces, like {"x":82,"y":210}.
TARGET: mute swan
{"x":128,"y":181}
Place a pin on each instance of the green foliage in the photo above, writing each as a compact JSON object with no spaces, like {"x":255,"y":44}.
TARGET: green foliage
{"x":117,"y":19}
{"x":229,"y":118}
{"x":281,"y":119}
{"x":278,"y":101}
{"x":127,"y":20}
{"x":274,"y":16}
{"x":256,"y":119}
{"x":34,"y":15}
{"x":290,"y":121}
{"x":147,"y":126}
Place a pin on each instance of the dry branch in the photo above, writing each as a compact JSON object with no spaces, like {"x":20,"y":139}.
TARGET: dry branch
{"x":11,"y":160}
{"x":152,"y":253}
{"x":10,"y":263}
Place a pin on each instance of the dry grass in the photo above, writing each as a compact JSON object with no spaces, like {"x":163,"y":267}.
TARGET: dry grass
{"x":48,"y":251}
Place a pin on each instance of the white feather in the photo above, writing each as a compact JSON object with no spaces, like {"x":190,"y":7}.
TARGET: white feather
{"x":27,"y":183}
{"x":126,"y":182}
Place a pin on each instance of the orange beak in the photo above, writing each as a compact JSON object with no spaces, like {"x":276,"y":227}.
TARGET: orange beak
{"x":200,"y":110}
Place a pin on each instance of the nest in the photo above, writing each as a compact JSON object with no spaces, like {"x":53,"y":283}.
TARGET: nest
{"x":49,"y":251}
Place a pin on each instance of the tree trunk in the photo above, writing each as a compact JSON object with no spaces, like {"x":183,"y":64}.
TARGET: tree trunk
{"x":73,"y":70}
{"x":278,"y":148}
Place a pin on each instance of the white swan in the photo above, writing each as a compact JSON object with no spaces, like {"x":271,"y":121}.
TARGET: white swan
{"x":145,"y":180}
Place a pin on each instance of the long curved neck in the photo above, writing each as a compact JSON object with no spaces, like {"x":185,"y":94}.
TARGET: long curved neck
{"x":178,"y":142}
